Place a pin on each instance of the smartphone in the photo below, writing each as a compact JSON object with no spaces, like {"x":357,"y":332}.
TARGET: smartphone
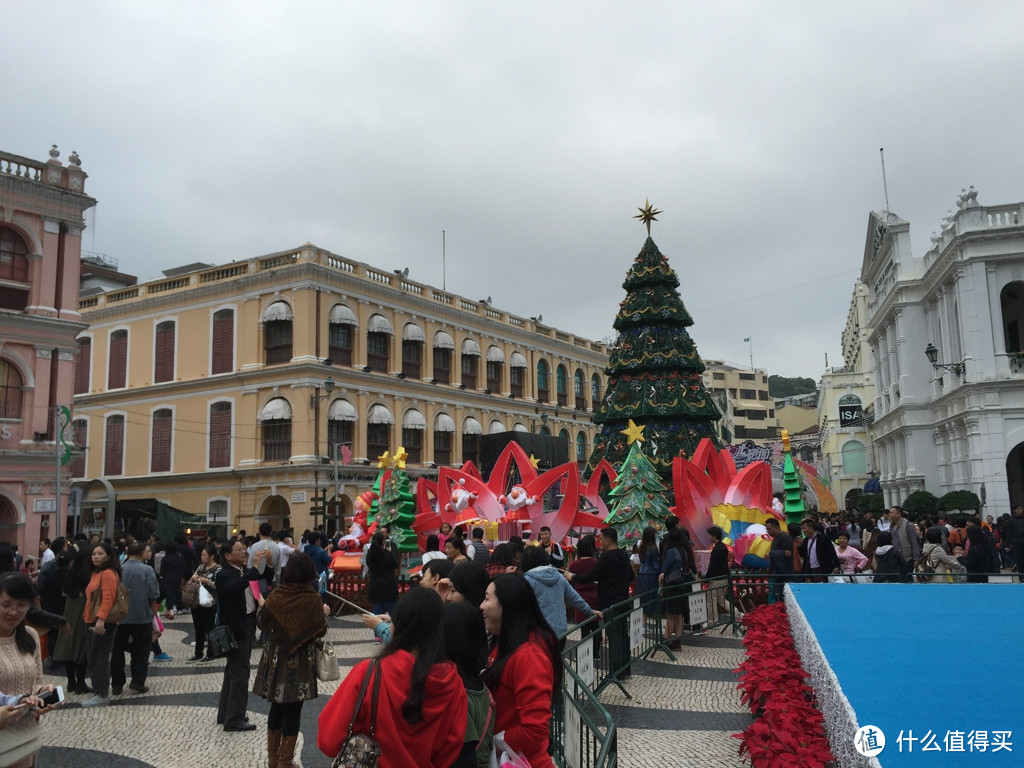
{"x":56,"y":696}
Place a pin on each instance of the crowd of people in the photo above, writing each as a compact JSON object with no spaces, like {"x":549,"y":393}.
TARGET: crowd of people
{"x":894,"y":548}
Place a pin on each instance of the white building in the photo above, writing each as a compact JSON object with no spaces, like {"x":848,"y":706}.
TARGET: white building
{"x":846,"y":408}
{"x":958,"y":425}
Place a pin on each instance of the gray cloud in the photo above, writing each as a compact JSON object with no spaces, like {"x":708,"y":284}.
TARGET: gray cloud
{"x":530,"y":132}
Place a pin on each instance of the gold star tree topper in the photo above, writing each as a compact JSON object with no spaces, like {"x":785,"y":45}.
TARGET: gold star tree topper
{"x":400,"y":457}
{"x":647,"y":214}
{"x":634,"y":432}
{"x":384,"y":460}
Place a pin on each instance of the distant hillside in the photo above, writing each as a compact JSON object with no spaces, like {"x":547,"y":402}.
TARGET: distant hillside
{"x":782,"y":386}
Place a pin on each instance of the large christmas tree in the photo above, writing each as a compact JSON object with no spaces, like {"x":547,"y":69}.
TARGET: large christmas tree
{"x":654,"y":371}
{"x":638,"y":498}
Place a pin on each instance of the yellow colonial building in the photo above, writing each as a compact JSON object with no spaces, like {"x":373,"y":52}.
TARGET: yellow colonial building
{"x":229,"y":391}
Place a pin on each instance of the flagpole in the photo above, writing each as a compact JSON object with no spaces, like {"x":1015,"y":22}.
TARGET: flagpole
{"x":751,"y":351}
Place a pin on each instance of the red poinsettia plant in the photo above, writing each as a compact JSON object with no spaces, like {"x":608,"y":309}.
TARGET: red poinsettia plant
{"x":788,"y":729}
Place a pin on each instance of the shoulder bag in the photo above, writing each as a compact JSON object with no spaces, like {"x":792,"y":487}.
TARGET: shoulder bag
{"x":360,"y":750}
{"x":220,"y":641}
{"x":117,"y":611}
{"x":326,"y":662}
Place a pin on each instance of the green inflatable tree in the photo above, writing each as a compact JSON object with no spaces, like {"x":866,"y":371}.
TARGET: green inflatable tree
{"x":654,"y":371}
{"x":397,"y":508}
{"x":638,"y":498}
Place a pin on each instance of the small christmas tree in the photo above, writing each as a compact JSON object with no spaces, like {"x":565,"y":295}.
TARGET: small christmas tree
{"x":638,"y":498}
{"x":796,"y":511}
{"x":654,"y":370}
{"x":397,"y":508}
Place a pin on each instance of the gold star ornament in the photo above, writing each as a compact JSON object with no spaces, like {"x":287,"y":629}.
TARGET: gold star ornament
{"x":534,"y":461}
{"x":383,"y":460}
{"x":647,"y":214}
{"x":400,"y":457}
{"x":634,"y":432}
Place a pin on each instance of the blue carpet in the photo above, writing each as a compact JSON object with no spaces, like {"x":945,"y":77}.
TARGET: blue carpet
{"x":921,"y":657}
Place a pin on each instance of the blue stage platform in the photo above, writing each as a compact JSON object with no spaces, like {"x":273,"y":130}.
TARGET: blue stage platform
{"x":941,"y":663}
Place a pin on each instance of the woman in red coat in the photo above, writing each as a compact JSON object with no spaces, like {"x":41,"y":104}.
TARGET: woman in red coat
{"x":421,"y":710}
{"x":524,"y":668}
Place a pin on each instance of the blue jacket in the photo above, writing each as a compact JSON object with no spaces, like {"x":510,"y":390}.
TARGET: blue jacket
{"x":552,"y":591}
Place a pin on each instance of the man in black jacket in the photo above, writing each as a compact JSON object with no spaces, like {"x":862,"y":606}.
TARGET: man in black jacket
{"x":235,"y":598}
{"x":818,"y":553}
{"x":613,"y":574}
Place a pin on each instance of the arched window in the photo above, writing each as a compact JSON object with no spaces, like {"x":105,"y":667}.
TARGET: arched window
{"x":117,"y":360}
{"x":341,"y":325}
{"x":471,"y":430}
{"x":222,"y":343}
{"x":163,"y":352}
{"x":378,"y":343}
{"x":341,"y":420}
{"x":113,"y":446}
{"x":277,"y":333}
{"x":595,"y":390}
{"x":378,"y":430}
{"x":543,"y":376}
{"x":1011,"y":298}
{"x":581,"y":447}
{"x":579,"y":390}
{"x":276,"y":418}
{"x":470,"y":363}
{"x":11,"y":385}
{"x":83,"y":365}
{"x":495,"y":365}
{"x":444,"y":346}
{"x":444,"y":428}
{"x":220,"y":434}
{"x":517,"y":374}
{"x":413,"y":426}
{"x":564,"y":435}
{"x":495,"y":427}
{"x":13,"y":269}
{"x":855,"y":458}
{"x":413,"y":340}
{"x":160,"y":452}
{"x":562,"y":384}
{"x":80,"y":440}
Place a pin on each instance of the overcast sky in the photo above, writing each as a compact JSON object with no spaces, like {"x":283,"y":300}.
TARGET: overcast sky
{"x":530,"y":132}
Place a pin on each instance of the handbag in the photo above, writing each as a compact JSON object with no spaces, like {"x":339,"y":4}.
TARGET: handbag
{"x":327,"y":668}
{"x":205,"y":597}
{"x":220,"y":641}
{"x":190,"y":594}
{"x":117,"y":611}
{"x":359,"y":750}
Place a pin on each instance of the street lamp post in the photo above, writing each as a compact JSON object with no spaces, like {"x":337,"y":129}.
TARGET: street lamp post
{"x":314,"y":403}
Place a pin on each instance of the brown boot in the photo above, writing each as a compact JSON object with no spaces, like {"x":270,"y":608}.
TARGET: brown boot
{"x":273,"y":748}
{"x":286,"y":755}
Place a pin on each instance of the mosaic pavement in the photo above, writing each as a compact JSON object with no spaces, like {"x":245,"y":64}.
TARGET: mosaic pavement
{"x":681,"y":713}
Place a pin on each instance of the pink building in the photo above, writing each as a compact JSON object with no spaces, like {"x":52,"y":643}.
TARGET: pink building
{"x":41,"y":223}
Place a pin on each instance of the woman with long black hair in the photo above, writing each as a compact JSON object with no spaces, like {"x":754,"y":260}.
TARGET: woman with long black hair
{"x":106,"y":575}
{"x":70,"y":646}
{"x":466,"y":644}
{"x":421,"y":707}
{"x":525,"y":666}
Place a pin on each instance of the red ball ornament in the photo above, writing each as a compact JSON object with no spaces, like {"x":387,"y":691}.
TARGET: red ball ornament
{"x":635,"y":470}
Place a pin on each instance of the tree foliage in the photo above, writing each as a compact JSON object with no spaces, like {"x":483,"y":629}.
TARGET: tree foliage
{"x":920,"y":503}
{"x":871,"y":502}
{"x":784,"y":386}
{"x":960,"y":501}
